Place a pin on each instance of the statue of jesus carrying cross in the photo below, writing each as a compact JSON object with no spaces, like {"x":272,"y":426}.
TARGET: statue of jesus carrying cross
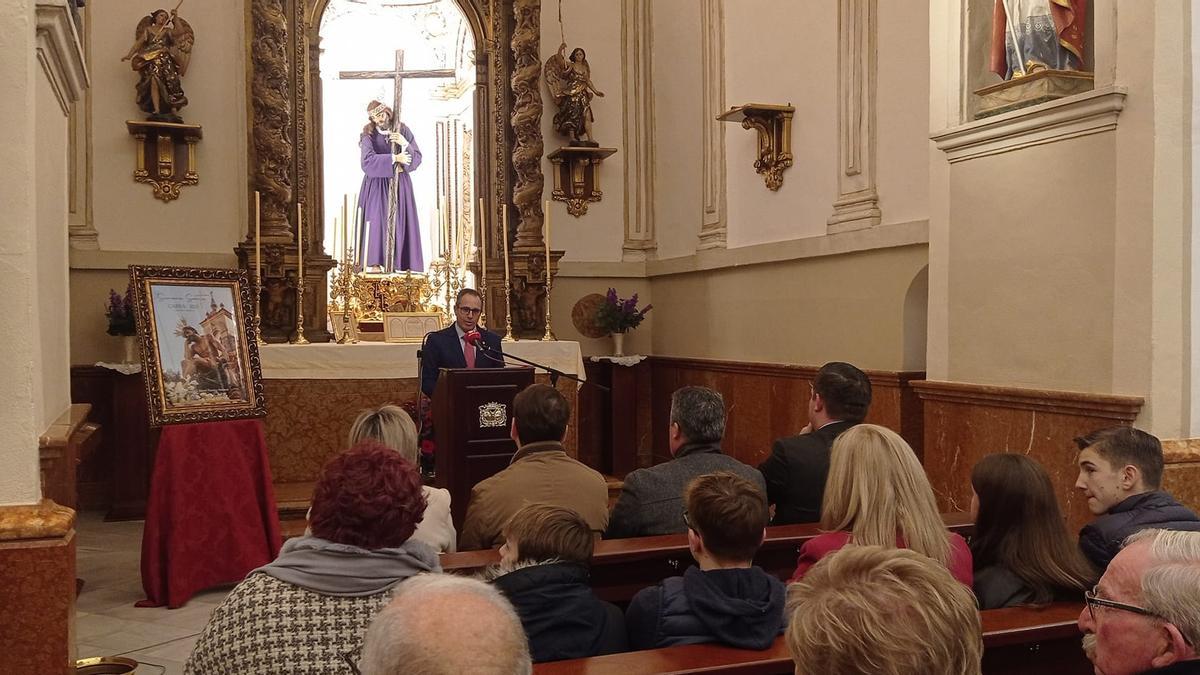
{"x":391,"y":235}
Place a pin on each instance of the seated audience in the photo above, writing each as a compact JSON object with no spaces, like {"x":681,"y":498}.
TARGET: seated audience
{"x":795,"y":472}
{"x":878,"y":494}
{"x":726,"y":599}
{"x":1120,"y":473}
{"x":540,"y":473}
{"x":651,"y":500}
{"x":543,"y":571}
{"x":1144,"y":616}
{"x":440,"y":624}
{"x":300,"y":613}
{"x":393,"y":427}
{"x":871,"y":609}
{"x":1022,"y":551}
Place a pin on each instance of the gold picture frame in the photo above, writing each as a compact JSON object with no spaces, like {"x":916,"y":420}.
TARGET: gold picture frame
{"x":199,"y":357}
{"x":410,"y":326}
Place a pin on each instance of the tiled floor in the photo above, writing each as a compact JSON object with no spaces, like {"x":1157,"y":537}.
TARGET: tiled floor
{"x":107,"y":623}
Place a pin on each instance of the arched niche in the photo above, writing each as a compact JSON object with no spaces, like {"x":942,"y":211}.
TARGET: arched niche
{"x":285,"y":153}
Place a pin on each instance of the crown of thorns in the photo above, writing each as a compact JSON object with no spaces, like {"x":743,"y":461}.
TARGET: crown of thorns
{"x":379,"y":109}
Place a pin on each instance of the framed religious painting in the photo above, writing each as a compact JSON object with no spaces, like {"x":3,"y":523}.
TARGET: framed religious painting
{"x":199,"y":356}
{"x":410,"y":326}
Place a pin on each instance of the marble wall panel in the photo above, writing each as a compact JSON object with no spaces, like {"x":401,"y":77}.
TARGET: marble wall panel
{"x":766,"y":401}
{"x":37,"y":588}
{"x":308,"y":421}
{"x":964,"y":422}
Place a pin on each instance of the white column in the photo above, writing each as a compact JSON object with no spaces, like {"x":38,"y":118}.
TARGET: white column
{"x":713,"y":230}
{"x":638,"y":103}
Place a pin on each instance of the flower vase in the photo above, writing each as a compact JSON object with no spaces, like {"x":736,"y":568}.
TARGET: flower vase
{"x":618,"y":344}
{"x":130,"y":345}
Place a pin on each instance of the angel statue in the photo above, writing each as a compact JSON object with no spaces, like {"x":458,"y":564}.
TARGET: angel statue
{"x":570,"y":83}
{"x":161,"y":50}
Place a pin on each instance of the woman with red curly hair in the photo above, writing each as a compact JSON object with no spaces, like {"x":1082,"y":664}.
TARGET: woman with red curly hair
{"x":306,"y":610}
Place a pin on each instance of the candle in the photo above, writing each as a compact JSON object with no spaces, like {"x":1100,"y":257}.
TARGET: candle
{"x":300,"y":241}
{"x":546,"y":227}
{"x":358,"y":237}
{"x":257,"y":238}
{"x":483,"y":251}
{"x":366,"y":243}
{"x":507,"y":275}
{"x":346,"y":230}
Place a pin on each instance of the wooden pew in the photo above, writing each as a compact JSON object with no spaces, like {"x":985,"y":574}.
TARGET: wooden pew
{"x":1022,"y":640}
{"x":622,"y":567}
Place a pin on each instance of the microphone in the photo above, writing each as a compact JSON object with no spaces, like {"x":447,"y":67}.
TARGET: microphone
{"x":473,"y":338}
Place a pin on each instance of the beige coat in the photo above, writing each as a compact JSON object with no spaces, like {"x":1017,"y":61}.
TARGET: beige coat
{"x":437,"y":527}
{"x":540,"y":473}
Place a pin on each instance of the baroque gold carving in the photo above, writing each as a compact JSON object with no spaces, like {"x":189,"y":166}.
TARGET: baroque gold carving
{"x":270,"y":98}
{"x":36,"y":521}
{"x":774,"y":126}
{"x":526,"y":122}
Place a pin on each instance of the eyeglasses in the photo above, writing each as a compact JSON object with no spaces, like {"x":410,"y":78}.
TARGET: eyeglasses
{"x":1092,"y":601}
{"x":469,"y":310}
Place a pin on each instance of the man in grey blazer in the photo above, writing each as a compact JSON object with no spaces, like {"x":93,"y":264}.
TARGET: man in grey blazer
{"x":651,"y":500}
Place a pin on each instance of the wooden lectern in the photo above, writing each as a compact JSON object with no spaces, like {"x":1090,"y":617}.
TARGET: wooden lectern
{"x":472,"y":415}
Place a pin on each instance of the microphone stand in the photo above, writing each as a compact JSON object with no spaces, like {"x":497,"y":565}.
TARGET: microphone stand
{"x":555,"y":373}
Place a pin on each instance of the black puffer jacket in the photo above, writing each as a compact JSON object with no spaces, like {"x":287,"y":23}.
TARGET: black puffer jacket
{"x":561,"y":615}
{"x":1101,"y":539}
{"x":737,"y":607}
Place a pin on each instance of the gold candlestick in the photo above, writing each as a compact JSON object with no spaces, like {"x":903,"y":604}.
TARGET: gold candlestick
{"x":299,"y":338}
{"x":508,"y":329}
{"x":483,"y":254}
{"x":258,"y":269}
{"x":549,"y":334}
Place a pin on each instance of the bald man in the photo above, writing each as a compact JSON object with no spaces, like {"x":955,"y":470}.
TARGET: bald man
{"x":439,"y":624}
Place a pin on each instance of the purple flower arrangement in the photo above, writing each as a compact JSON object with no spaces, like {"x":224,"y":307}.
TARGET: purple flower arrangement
{"x":619,"y":315}
{"x":119,"y":311}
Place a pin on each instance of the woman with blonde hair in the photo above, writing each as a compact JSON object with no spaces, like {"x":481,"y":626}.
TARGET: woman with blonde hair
{"x":877,"y":494}
{"x":394,"y":428}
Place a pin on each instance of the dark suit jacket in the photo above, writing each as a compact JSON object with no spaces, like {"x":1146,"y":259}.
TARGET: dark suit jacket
{"x":443,"y":350}
{"x":651,"y":500}
{"x":796,"y":471}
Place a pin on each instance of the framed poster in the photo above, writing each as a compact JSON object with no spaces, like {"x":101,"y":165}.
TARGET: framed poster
{"x":199,"y":357}
{"x":409,"y":326}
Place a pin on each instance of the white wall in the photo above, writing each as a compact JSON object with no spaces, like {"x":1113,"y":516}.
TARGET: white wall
{"x":207,"y":217}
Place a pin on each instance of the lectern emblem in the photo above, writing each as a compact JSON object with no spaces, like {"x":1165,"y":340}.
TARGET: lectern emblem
{"x":493,"y":415}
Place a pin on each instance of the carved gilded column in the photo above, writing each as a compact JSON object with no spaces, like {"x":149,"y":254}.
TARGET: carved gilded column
{"x":857,"y":204}
{"x":270,"y":98}
{"x":638,"y":102}
{"x":527,"y":123}
{"x":712,"y":47}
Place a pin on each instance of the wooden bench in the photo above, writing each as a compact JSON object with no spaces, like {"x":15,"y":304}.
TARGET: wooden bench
{"x":622,"y":567}
{"x":1016,"y":640}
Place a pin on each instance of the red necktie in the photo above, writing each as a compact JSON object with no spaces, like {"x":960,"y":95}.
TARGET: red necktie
{"x":469,"y":352}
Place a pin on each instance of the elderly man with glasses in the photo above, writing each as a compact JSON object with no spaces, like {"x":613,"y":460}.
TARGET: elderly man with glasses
{"x":1144,"y":615}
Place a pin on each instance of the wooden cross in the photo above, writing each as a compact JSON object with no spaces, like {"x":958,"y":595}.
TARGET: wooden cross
{"x":397,"y":76}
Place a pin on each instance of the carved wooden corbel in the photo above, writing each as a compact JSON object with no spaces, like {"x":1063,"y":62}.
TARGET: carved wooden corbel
{"x":577,"y":176}
{"x":774,"y":126}
{"x":166,"y":156}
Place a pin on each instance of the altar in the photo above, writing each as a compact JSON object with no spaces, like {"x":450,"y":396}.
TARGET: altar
{"x":315,"y":391}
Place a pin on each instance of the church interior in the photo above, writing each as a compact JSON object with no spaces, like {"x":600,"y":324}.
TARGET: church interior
{"x":787,"y":184}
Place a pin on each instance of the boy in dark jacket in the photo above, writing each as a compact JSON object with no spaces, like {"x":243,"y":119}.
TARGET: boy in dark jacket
{"x":1120,"y":473}
{"x":726,"y":599}
{"x":544,"y":573}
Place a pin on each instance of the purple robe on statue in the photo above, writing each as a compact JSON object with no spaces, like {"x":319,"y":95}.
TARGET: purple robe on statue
{"x":373,"y":200}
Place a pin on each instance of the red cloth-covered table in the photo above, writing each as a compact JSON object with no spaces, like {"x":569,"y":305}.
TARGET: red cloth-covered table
{"x":211,"y":516}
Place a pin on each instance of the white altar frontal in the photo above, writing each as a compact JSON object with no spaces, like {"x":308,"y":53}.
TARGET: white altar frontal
{"x":315,"y":391}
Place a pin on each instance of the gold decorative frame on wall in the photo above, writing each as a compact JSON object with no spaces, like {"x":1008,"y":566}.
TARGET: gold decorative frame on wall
{"x":173,"y":399}
{"x":285,"y":147}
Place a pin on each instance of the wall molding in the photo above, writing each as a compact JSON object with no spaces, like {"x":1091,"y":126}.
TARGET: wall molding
{"x":637,"y":77}
{"x":1082,"y":115}
{"x":81,"y":225}
{"x":857,"y":204}
{"x":628,"y":269}
{"x":1107,"y":406}
{"x":915,"y":233}
{"x":713,"y":230}
{"x":120,"y":260}
{"x":59,"y":52}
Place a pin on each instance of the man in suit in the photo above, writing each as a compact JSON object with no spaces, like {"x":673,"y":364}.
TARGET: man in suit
{"x":449,"y":347}
{"x":651,"y":500}
{"x":796,"y":470}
